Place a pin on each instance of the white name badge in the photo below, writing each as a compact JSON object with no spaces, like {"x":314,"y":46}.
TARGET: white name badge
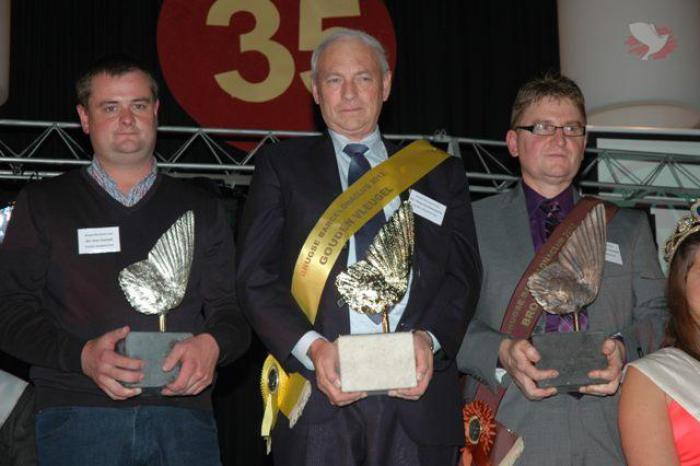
{"x":427,"y":208}
{"x":98,"y":240}
{"x":612,"y":253}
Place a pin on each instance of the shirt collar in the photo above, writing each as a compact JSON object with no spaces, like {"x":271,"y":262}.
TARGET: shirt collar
{"x":135,"y":194}
{"x":340,"y":141}
{"x":534,"y":200}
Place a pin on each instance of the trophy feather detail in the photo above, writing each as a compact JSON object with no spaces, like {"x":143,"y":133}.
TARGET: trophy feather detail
{"x":573,"y":280}
{"x":157,"y":284}
{"x":376,"y":283}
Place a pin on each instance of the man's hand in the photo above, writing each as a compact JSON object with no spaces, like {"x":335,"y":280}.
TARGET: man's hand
{"x":324,"y":355}
{"x":198,"y":356}
{"x":424,"y":367}
{"x":107,"y":368}
{"x":518,"y":358}
{"x":614,"y":350}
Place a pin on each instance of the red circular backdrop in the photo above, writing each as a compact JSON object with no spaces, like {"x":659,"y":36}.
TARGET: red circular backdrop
{"x":200,"y":50}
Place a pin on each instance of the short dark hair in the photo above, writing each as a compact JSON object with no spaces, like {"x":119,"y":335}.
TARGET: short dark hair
{"x":682,"y":330}
{"x":111,"y":65}
{"x":548,"y":86}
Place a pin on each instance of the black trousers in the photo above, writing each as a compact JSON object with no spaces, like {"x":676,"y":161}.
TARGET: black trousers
{"x":365,"y":433}
{"x":17,"y":440}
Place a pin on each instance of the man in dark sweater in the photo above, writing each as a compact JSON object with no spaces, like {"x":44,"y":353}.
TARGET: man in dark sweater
{"x":62,"y":310}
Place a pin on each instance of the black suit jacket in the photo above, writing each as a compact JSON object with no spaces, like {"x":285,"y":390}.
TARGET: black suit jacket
{"x":295,"y":181}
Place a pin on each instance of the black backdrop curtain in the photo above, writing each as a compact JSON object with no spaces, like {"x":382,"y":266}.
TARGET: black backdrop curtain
{"x":459,"y":64}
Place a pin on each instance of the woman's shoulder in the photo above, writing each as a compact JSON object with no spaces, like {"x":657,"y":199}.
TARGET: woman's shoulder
{"x":673,"y":371}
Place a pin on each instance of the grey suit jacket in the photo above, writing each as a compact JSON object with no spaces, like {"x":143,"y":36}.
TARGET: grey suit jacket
{"x":562,"y":430}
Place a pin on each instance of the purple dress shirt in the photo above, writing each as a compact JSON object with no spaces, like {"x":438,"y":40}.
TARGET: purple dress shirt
{"x":538,"y":231}
{"x":534,"y":201}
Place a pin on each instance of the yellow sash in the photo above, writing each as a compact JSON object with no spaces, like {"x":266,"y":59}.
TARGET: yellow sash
{"x":346,"y":214}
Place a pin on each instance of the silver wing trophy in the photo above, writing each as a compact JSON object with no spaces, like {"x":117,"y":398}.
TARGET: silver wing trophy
{"x":155,"y":286}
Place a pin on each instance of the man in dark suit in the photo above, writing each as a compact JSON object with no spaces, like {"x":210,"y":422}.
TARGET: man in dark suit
{"x":548,"y":137}
{"x":295,"y":181}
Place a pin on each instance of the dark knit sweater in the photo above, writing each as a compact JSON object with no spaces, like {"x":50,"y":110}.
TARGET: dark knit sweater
{"x":52,"y":299}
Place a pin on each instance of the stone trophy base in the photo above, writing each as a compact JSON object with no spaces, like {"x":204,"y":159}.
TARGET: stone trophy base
{"x":573,"y":355}
{"x":152,"y":348}
{"x":377,"y":363}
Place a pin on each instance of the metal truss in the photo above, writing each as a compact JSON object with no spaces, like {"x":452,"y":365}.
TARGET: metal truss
{"x":36,"y":149}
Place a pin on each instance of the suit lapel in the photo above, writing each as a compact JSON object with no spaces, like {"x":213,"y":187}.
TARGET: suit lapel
{"x":417,"y":296}
{"x":521,"y":247}
{"x":323,"y":170}
{"x":392,"y":149}
{"x":516,"y":219}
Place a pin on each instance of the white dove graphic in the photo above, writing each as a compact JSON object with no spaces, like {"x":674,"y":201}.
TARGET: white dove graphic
{"x":647,"y":35}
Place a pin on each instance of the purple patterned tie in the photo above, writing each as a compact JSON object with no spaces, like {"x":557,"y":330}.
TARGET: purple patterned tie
{"x":566,"y":322}
{"x":551,"y":211}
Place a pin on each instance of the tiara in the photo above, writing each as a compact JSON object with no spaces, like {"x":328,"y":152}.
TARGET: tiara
{"x":685,"y":226}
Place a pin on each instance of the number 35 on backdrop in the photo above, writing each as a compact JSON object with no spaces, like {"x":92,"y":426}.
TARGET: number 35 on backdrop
{"x":245,"y":63}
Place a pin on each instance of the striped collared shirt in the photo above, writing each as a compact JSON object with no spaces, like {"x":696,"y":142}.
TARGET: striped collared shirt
{"x":134,"y":195}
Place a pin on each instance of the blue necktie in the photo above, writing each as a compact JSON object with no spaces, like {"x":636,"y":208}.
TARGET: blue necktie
{"x":358,"y":167}
{"x":364,"y":236}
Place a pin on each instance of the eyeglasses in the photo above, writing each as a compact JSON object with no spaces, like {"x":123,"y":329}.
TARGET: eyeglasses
{"x":547,"y":129}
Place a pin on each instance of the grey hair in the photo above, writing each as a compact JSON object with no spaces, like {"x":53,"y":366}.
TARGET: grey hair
{"x":350,"y":34}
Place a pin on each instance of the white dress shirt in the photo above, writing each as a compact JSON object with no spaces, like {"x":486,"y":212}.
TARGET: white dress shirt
{"x":360,"y":323}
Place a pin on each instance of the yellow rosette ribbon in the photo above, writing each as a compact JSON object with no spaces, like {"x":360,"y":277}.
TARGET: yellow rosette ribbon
{"x":281,"y":392}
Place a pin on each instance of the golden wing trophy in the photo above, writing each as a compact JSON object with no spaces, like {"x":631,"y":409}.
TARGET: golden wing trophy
{"x":155,"y":286}
{"x":566,"y":286}
{"x":379,"y":362}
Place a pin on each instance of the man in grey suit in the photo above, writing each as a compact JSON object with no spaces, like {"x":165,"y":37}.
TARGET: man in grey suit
{"x":548,"y":136}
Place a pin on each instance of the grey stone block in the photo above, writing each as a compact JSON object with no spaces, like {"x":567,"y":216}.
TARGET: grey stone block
{"x":377,"y":363}
{"x":573,"y":355}
{"x":152,"y":348}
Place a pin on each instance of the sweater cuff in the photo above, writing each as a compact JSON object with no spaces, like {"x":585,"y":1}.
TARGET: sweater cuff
{"x":70,"y":352}
{"x":222,"y":339}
